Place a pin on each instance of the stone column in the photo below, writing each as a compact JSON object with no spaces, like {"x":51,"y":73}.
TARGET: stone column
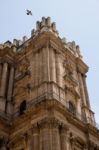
{"x":10,"y":84}
{"x":86,"y":91}
{"x":91,"y":118}
{"x":45,"y":137}
{"x":49,"y":135}
{"x":4,"y":79}
{"x":10,"y":90}
{"x":29,"y":141}
{"x":52,"y":66}
{"x":83,"y":99}
{"x":35,"y":138}
{"x":82,"y":89}
{"x":55,"y":137}
{"x":63,"y":137}
{"x":3,"y":86}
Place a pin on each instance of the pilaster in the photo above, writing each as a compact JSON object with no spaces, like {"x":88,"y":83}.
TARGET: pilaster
{"x":4,"y":79}
{"x":49,"y":135}
{"x":35,"y":138}
{"x":44,"y":63}
{"x":52,"y":65}
{"x":40,"y":67}
{"x":86,"y":91}
{"x":45,"y":136}
{"x":46,"y":69}
{"x":82,"y":89}
{"x":36,"y":68}
{"x":59,"y":76}
{"x":10,"y":90}
{"x":3,"y":86}
{"x":64,"y":137}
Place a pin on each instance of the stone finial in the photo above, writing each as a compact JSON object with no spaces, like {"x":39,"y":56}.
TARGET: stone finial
{"x":54,"y":26}
{"x":15,"y":42}
{"x":64,"y":40}
{"x":78,"y":48}
{"x":78,"y":51}
{"x":48,"y":21}
{"x":8,"y":43}
{"x":32,"y":32}
{"x":20,"y":42}
{"x":43,"y":23}
{"x":25,"y":39}
{"x":37,"y":25}
{"x":73,"y":45}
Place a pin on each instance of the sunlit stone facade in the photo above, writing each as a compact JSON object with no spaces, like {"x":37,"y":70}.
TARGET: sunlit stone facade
{"x":44,"y":103}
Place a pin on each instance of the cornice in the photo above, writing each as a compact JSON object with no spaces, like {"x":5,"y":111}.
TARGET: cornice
{"x":81,"y":66}
{"x":44,"y":40}
{"x":8,"y":60}
{"x":48,"y":40}
{"x":7,"y":51}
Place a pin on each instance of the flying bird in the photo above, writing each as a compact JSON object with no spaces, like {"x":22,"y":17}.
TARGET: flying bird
{"x":29,"y":12}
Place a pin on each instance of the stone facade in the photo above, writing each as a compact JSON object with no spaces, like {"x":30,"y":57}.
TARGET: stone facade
{"x":44,"y":103}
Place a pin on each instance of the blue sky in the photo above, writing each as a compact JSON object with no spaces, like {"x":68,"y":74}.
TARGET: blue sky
{"x":75,"y":19}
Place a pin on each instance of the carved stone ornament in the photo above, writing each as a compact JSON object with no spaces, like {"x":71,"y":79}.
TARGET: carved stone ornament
{"x":51,"y":123}
{"x":68,"y":67}
{"x":24,"y":65}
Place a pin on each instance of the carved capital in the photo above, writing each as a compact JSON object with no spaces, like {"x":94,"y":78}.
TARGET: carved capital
{"x":49,"y":123}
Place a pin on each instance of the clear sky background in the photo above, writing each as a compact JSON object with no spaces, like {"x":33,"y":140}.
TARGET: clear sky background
{"x":76,"y":20}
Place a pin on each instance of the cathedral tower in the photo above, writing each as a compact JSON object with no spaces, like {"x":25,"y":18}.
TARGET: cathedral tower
{"x":44,"y":102}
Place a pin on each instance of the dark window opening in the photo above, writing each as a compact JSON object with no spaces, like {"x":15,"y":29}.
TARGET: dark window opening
{"x":1,"y":142}
{"x":22,"y":107}
{"x":72,"y":108}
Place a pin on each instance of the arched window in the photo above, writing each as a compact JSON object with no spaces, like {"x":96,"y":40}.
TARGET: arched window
{"x":72,"y":107}
{"x":22,"y":107}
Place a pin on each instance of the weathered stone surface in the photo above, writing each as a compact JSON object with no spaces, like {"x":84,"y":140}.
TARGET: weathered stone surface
{"x":44,"y":103}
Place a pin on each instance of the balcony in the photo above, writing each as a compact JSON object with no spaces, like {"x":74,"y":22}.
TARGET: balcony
{"x":50,"y":96}
{"x":55,"y":96}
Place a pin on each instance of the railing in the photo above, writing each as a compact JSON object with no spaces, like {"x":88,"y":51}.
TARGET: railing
{"x":55,"y":96}
{"x":49,"y":96}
